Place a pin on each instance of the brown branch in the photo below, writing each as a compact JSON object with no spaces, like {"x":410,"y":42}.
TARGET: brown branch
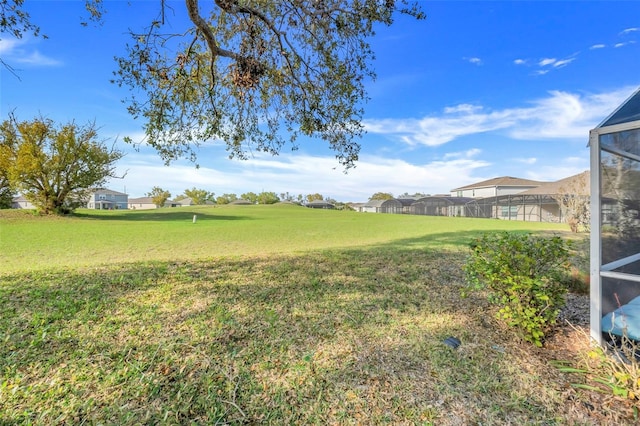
{"x":203,"y":27}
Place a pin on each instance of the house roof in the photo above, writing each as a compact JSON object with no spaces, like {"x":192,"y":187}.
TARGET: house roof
{"x":450,"y":200}
{"x":501,"y":181}
{"x":240,"y":201}
{"x":407,"y":201}
{"x":577,"y":184}
{"x":141,"y":200}
{"x":107,"y":191}
{"x":374,"y":203}
{"x":186,"y":201}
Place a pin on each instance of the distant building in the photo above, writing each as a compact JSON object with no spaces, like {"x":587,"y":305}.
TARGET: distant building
{"x":392,"y":206}
{"x":21,"y":203}
{"x":107,"y":199}
{"x":506,"y":198}
{"x":240,"y":202}
{"x":142,"y":203}
{"x":505,"y":185}
{"x":320,"y":204}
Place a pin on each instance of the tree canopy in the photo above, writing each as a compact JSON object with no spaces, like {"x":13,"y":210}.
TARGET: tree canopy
{"x":382,"y":196}
{"x":198,"y":196}
{"x":159,"y":196}
{"x":54,"y":167}
{"x":6,"y":193}
{"x":267,"y":197}
{"x":256,"y":75}
{"x":252,"y":75}
{"x":226,"y":198}
{"x":314,"y":197}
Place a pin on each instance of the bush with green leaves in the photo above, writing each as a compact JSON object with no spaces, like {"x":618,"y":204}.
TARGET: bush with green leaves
{"x":523,"y":274}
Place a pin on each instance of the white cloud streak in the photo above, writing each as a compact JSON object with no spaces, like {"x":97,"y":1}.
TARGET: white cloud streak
{"x":20,"y":51}
{"x":629,"y":30}
{"x":559,"y":115}
{"x":547,"y":61}
{"x":304,"y":174}
{"x":530,"y":160}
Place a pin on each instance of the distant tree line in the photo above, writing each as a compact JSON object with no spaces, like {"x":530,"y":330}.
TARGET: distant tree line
{"x":200,"y":196}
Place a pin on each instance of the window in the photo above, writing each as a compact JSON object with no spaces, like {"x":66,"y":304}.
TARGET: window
{"x":509,"y":211}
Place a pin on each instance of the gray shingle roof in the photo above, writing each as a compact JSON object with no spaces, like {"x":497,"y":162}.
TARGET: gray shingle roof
{"x":576,"y":184}
{"x":501,"y":181}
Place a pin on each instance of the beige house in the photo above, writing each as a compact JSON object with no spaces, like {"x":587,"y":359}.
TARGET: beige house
{"x":21,"y":203}
{"x":496,"y":187}
{"x":142,"y":203}
{"x":543,"y":201}
{"x":537,"y":204}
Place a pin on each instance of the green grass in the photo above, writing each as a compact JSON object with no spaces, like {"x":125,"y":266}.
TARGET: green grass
{"x":282,"y":316}
{"x":93,"y":237}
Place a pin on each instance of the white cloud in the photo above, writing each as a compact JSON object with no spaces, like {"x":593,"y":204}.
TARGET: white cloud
{"x":554,"y":63}
{"x":473,"y":152}
{"x":303,"y":174}
{"x":7,"y":46}
{"x":547,"y":61}
{"x":629,"y":30}
{"x":466,"y":108}
{"x":563,"y":62}
{"x":476,"y":61}
{"x":617,"y":45}
{"x":20,"y":51}
{"x":598,"y":46}
{"x":564,"y":167}
{"x":530,"y":160}
{"x":559,"y":115}
{"x":434,"y":131}
{"x":520,"y":61}
{"x":35,"y":58}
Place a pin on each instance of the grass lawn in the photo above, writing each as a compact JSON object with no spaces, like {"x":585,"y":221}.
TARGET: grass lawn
{"x":94,"y":237}
{"x":263,"y":315}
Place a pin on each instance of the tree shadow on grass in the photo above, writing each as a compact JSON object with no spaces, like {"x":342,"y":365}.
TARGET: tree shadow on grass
{"x":175,"y":215}
{"x":331,"y":336}
{"x":454,"y":240}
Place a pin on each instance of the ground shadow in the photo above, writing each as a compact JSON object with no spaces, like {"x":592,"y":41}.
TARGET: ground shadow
{"x":160,"y":216}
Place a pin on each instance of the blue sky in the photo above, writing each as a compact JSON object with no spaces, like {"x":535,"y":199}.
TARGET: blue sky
{"x":475,"y":91}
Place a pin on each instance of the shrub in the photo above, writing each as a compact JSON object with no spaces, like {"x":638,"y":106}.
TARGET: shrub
{"x":523,"y":274}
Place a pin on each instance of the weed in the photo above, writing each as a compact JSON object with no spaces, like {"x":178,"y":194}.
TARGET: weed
{"x":612,"y":370}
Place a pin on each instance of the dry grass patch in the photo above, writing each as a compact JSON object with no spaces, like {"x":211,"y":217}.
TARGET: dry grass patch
{"x":333,"y":337}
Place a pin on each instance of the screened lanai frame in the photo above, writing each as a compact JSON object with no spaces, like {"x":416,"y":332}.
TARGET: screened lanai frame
{"x":615,"y":222}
